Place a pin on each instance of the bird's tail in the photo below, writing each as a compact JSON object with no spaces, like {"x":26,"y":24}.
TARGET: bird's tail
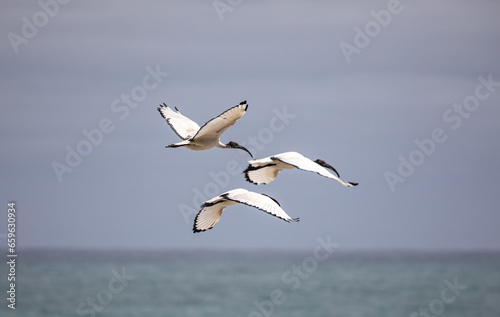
{"x":179,"y":144}
{"x":347,"y":184}
{"x":174,"y":145}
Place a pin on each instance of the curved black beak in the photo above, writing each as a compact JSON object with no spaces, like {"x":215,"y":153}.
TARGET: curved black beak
{"x":235,"y":145}
{"x":243,"y":148}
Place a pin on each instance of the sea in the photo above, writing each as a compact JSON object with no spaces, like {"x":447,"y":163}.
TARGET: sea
{"x":255,"y":283}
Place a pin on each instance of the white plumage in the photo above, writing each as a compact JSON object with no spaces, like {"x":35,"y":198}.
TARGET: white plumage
{"x":208,"y":136}
{"x":212,"y":209}
{"x":265,"y":170}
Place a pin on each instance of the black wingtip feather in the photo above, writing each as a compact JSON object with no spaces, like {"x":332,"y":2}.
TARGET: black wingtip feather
{"x":244,"y":103}
{"x":161,"y":113}
{"x":245,"y":172}
{"x":196,"y":230}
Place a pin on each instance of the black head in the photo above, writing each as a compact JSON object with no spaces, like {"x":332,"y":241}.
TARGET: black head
{"x":234,"y":145}
{"x":325,"y":164}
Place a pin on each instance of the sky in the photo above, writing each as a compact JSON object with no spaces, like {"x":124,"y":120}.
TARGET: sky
{"x":402,"y":97}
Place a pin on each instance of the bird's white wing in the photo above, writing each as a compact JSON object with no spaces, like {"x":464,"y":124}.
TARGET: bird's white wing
{"x":263,"y":171}
{"x":184,"y":127}
{"x":210,"y":213}
{"x":259,"y":201}
{"x":261,"y":174}
{"x":306,"y":164}
{"x":216,"y":126}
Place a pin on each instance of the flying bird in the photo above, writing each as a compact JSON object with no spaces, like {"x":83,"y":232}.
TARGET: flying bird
{"x":208,"y":136}
{"x":265,"y":170}
{"x":212,"y":209}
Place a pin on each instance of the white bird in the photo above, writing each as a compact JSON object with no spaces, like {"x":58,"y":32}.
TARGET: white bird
{"x":265,"y":170}
{"x":208,"y":136}
{"x":212,"y":209}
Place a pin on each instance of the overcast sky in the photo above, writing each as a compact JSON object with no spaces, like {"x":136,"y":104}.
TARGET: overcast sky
{"x":402,"y":97}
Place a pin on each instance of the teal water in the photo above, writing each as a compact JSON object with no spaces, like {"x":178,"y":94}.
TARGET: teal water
{"x":50,"y":283}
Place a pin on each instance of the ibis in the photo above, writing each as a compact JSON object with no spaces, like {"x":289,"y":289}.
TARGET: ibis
{"x":208,"y":136}
{"x":211,"y":210}
{"x":265,"y":170}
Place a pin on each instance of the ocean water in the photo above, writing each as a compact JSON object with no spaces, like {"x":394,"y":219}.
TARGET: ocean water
{"x":227,"y":283}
